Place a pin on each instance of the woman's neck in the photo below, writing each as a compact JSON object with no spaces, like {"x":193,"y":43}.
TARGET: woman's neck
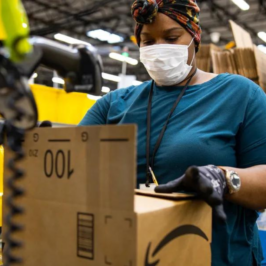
{"x":194,"y":78}
{"x":199,"y":78}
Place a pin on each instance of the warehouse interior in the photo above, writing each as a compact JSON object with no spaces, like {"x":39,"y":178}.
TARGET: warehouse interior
{"x":96,"y":166}
{"x":77,"y":18}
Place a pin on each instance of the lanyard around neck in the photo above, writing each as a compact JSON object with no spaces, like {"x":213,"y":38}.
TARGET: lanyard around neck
{"x":158,"y":143}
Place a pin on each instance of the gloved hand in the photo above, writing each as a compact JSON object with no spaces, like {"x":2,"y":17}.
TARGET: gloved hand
{"x":45,"y":124}
{"x":208,"y":182}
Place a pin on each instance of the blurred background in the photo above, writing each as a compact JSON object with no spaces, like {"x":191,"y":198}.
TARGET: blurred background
{"x":233,"y":40}
{"x":108,"y":26}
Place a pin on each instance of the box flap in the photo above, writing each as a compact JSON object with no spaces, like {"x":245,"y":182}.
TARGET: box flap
{"x":171,"y":196}
{"x":242,"y":37}
{"x":117,"y":162}
{"x":65,"y":164}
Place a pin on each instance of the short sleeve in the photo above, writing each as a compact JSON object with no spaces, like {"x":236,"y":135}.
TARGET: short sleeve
{"x":251,"y":139}
{"x":97,"y":115}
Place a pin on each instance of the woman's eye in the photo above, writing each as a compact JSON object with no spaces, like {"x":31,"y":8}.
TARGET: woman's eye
{"x":172,"y":39}
{"x":147,"y":42}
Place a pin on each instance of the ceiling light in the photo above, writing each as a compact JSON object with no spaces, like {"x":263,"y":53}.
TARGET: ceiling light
{"x":111,"y":77}
{"x":136,"y":82}
{"x":94,"y":98}
{"x":67,"y":39}
{"x":34,"y":76}
{"x":262,"y":35}
{"x":241,"y":4}
{"x":262,"y":48}
{"x":123,"y":58}
{"x":215,"y":37}
{"x":61,"y":81}
{"x":106,"y":89}
{"x":106,"y":36}
{"x":58,"y":80}
{"x":118,"y":79}
{"x":31,"y":79}
{"x":104,"y":75}
{"x":115,"y":38}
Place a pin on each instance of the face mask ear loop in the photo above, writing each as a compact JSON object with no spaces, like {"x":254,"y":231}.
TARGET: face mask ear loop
{"x":193,"y":58}
{"x":194,"y":54}
{"x":191,"y":41}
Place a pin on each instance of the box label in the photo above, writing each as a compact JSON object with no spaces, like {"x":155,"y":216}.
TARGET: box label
{"x":85,"y":236}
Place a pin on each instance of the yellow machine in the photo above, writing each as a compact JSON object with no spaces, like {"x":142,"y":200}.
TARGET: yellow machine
{"x":14,"y":33}
{"x":14,"y":21}
{"x":63,"y":108}
{"x":81,"y":68}
{"x":1,"y":180}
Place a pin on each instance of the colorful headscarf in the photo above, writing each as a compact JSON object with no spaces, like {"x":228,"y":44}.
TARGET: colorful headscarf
{"x":185,"y":12}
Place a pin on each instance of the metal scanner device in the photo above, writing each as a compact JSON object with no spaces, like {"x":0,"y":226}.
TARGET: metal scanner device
{"x":79,"y":65}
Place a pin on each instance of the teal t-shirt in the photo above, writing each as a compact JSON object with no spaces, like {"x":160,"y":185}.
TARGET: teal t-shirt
{"x":220,"y":122}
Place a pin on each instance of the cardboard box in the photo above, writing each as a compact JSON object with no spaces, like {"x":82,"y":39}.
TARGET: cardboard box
{"x":81,"y":207}
{"x":242,"y":37}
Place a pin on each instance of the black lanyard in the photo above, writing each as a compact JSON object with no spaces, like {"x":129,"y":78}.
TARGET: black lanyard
{"x":158,"y":143}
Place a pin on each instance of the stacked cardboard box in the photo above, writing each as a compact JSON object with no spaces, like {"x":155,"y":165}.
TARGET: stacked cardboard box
{"x":236,"y":61}
{"x":246,"y":59}
{"x":204,"y":58}
{"x":223,"y":61}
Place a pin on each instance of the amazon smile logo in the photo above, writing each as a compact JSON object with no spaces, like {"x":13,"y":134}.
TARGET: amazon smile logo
{"x":177,"y":232}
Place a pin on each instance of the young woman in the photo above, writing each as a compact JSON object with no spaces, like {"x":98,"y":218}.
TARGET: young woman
{"x":205,"y":133}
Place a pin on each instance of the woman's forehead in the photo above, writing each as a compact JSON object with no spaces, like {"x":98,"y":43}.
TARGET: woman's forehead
{"x":162,"y":24}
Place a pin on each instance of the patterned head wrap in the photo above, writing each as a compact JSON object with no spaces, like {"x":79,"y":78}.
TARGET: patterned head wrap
{"x":185,"y":12}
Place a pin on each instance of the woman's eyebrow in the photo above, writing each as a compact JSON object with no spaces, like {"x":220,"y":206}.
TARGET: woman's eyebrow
{"x":165,"y":31}
{"x":172,"y":29}
{"x":145,"y":33}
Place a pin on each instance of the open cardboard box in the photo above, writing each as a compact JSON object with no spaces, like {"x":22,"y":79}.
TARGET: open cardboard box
{"x":81,"y":207}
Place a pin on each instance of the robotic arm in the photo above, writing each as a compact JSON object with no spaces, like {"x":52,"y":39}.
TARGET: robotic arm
{"x":80,"y":65}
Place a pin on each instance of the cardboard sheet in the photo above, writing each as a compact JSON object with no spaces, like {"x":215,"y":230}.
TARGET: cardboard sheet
{"x":171,"y":196}
{"x":242,"y":37}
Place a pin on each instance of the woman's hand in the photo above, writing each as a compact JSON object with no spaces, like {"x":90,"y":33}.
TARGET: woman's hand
{"x":208,"y":182}
{"x":46,"y":124}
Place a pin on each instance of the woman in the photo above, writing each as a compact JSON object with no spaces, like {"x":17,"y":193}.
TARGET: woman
{"x":188,"y":117}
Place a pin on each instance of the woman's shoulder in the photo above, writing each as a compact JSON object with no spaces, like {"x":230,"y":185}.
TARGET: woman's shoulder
{"x":238,"y":84}
{"x":239,"y":81}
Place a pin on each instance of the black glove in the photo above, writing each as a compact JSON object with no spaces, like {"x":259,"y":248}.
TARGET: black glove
{"x":208,"y":182}
{"x":45,"y":124}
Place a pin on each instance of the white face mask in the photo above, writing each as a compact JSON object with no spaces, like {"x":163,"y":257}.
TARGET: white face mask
{"x":166,"y":63}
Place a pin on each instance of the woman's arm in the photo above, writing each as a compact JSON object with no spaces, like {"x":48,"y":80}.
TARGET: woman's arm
{"x":252,"y":193}
{"x":97,"y":115}
{"x":209,"y":183}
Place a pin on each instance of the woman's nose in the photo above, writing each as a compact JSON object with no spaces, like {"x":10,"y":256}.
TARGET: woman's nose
{"x":160,"y":41}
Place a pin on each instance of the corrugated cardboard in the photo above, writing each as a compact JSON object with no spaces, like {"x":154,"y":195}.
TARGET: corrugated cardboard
{"x":203,"y":58}
{"x":242,"y":37}
{"x":236,"y":61}
{"x":261,"y":66}
{"x":81,"y":208}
